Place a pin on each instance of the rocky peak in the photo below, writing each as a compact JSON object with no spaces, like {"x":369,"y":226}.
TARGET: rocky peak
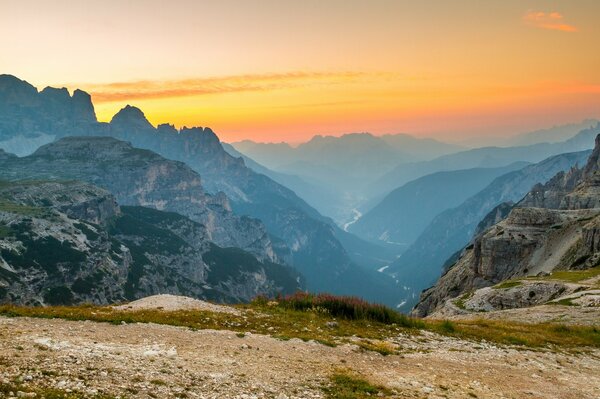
{"x":56,"y":94}
{"x":205,"y":135}
{"x":131,"y":117}
{"x":593,"y":164}
{"x":82,"y":106}
{"x":166,"y":128}
{"x":16,"y":91}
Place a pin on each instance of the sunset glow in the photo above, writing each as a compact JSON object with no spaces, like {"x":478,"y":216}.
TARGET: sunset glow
{"x":446,"y":69}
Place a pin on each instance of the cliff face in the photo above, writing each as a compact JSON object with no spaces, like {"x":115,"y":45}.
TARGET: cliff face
{"x":141,"y":177}
{"x":555,"y":226}
{"x":29,"y":118}
{"x":69,"y":242}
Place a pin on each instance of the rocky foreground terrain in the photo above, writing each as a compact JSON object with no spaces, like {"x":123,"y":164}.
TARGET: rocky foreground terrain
{"x":127,"y":359}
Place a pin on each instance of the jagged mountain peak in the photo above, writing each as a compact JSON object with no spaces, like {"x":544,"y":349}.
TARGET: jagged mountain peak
{"x":11,"y":81}
{"x":593,"y":163}
{"x":131,"y":116}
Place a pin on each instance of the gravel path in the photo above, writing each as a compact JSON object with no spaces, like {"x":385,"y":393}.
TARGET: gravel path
{"x":148,"y":360}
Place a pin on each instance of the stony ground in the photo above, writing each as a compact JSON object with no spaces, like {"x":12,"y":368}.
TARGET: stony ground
{"x":147,"y":360}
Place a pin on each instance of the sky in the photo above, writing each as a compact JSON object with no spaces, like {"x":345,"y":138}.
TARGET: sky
{"x":276,"y":70}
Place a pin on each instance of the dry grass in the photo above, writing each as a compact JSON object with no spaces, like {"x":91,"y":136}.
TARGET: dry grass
{"x":528,"y":335}
{"x":315,"y":324}
{"x":347,"y":385}
{"x":572,"y":276}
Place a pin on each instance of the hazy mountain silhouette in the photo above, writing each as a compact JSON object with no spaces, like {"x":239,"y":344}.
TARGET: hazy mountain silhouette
{"x":405,"y":212}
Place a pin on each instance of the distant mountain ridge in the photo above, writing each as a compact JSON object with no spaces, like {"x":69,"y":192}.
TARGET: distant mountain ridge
{"x":484,"y":157}
{"x":342,"y":164}
{"x":310,"y":239}
{"x":405,"y":212}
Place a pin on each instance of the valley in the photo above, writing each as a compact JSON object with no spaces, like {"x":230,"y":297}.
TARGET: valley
{"x":277,"y":199}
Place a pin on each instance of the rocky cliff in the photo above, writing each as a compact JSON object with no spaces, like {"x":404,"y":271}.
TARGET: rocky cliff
{"x":141,"y":177}
{"x":554,"y":227}
{"x":69,"y":242}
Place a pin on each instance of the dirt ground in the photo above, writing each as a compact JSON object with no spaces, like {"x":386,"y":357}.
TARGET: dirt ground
{"x":147,"y":360}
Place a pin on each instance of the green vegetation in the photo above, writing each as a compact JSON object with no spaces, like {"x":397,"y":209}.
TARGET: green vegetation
{"x":523,"y":334}
{"x":573,"y":276}
{"x":232,"y":263}
{"x":46,"y":393}
{"x":4,"y":231}
{"x":507,"y":284}
{"x":345,"y":385}
{"x":60,"y":295}
{"x":89,"y":233}
{"x":351,"y":308}
{"x":461,"y":302}
{"x":563,"y":302}
{"x":45,"y":252}
{"x":11,"y":207}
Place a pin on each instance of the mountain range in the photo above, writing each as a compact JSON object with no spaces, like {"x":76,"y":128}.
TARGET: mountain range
{"x":404,"y":213}
{"x":554,"y":227}
{"x":423,"y":262}
{"x":66,"y":242}
{"x":298,"y":234}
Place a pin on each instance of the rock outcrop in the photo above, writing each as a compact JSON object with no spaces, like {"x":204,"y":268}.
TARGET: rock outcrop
{"x":555,"y":226}
{"x":142,"y":177}
{"x":69,"y":242}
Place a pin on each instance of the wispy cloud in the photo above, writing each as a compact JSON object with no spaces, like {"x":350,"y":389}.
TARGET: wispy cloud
{"x":552,"y":20}
{"x":151,"y":89}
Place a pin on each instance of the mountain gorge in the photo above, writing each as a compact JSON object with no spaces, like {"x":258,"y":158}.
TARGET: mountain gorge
{"x":342,"y":167}
{"x":405,"y":212}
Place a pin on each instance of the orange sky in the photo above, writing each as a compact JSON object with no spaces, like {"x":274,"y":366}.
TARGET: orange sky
{"x":273,"y":70}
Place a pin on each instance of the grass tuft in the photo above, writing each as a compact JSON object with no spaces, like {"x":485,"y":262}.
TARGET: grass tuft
{"x":350,"y":308}
{"x":345,"y":385}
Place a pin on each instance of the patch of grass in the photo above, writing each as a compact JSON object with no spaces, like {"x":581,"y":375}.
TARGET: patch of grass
{"x":280,"y":322}
{"x":461,"y":302}
{"x":382,"y":347}
{"x":350,"y":308}
{"x":11,"y":207}
{"x":507,"y":284}
{"x":47,"y":393}
{"x":447,"y":327}
{"x":529,"y":335}
{"x":564,"y":302}
{"x":573,"y":276}
{"x":346,"y":385}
